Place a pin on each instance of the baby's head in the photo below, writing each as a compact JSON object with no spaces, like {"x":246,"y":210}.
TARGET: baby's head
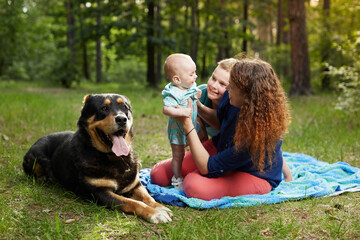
{"x":180,"y":70}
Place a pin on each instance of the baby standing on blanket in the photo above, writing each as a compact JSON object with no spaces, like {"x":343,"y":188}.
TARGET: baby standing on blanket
{"x":180,"y":70}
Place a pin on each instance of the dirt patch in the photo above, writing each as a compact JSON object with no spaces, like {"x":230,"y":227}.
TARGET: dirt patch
{"x":47,"y":90}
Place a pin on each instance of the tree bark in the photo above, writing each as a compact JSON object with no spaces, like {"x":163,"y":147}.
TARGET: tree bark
{"x":159,"y":63}
{"x":300,"y":83}
{"x":71,"y":27}
{"x":280,"y":23}
{"x":194,"y":39}
{"x":224,"y":45}
{"x":204,"y":43}
{"x":246,"y":9}
{"x":282,"y":35}
{"x":98,"y":45}
{"x":326,"y":46}
{"x":150,"y":47}
{"x":286,"y":31}
{"x":70,"y":34}
{"x":85,"y":64}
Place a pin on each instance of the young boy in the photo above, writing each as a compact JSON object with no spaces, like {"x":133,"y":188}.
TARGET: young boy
{"x":180,"y":70}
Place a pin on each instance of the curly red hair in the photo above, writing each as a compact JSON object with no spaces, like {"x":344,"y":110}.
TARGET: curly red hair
{"x":264,"y":115}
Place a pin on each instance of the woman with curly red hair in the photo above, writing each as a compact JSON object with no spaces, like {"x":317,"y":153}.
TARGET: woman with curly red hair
{"x":246,"y":157}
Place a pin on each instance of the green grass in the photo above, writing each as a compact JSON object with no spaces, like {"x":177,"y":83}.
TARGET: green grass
{"x":32,"y":209}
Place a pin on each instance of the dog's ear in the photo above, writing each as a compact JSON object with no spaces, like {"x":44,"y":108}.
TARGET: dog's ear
{"x":86,"y":98}
{"x":127,"y":99}
{"x":82,"y":120}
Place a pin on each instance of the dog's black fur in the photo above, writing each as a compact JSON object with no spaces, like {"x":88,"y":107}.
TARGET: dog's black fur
{"x":83,"y":161}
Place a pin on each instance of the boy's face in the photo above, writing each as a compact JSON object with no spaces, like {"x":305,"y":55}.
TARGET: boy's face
{"x":217,"y":83}
{"x":187,"y":74}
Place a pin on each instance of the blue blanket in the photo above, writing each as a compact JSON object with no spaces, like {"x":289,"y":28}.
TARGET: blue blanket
{"x":312,"y":178}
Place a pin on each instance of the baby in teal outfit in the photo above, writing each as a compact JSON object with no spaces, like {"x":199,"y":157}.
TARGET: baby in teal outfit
{"x":180,"y":70}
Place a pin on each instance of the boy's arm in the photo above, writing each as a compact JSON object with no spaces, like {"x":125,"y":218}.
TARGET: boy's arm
{"x":209,"y":115}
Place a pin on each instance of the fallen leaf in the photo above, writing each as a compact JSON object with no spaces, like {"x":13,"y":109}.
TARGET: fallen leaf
{"x":69,"y":221}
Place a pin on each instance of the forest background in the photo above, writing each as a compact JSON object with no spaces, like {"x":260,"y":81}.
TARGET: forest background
{"x":52,"y":53}
{"x":313,"y":45}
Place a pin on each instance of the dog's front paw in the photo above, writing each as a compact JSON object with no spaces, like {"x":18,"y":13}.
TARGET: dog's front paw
{"x":161,"y":216}
{"x":165,"y":210}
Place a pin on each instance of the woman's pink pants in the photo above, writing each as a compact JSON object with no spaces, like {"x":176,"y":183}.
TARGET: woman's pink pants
{"x":233,"y":183}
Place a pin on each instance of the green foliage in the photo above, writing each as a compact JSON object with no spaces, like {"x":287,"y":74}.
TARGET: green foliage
{"x":64,"y":72}
{"x":33,"y":40}
{"x":348,"y":76}
{"x":11,"y":22}
{"x":32,"y":51}
{"x":127,"y":70}
{"x":35,"y":35}
{"x":279,"y":58}
{"x":326,"y":33}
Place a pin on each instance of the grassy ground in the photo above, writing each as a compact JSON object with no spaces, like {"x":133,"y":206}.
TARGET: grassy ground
{"x":32,"y":209}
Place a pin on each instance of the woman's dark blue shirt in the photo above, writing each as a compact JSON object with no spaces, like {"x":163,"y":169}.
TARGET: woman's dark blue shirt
{"x":227,"y":158}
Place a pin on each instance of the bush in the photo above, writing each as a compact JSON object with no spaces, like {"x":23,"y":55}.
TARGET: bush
{"x":125,"y":71}
{"x":348,"y":76}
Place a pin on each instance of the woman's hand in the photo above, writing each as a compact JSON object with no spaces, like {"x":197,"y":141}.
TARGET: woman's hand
{"x":199,"y":153}
{"x":185,"y":119}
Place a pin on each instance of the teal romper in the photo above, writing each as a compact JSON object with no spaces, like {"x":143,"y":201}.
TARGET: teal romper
{"x":174,"y":96}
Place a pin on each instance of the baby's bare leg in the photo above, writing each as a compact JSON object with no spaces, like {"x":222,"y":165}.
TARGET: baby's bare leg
{"x":178,"y":152}
{"x":286,"y":171}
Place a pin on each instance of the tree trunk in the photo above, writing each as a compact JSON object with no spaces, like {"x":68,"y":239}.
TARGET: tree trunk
{"x":71,"y":27}
{"x":326,"y":46}
{"x":204,"y":44}
{"x":282,"y":37}
{"x":280,"y":23}
{"x":224,"y":45}
{"x":98,"y":45}
{"x":300,"y":83}
{"x":70,"y":34}
{"x":150,"y":47}
{"x":246,"y":6}
{"x":194,"y":39}
{"x":159,"y":63}
{"x":85,"y":64}
{"x":285,"y":32}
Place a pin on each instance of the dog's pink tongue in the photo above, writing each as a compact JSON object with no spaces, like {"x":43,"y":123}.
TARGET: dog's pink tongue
{"x":119,"y":147}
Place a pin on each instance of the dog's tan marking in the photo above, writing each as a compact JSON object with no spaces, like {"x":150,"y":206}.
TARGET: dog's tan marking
{"x":38,"y":170}
{"x":102,"y":182}
{"x":106,"y":125}
{"x":128,"y":138}
{"x":86,"y":98}
{"x":107,"y":101}
{"x":132,"y":206}
{"x":120,"y":100}
{"x":132,"y":185}
{"x":141,"y":194}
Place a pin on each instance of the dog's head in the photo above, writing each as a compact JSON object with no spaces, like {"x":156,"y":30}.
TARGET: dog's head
{"x":108,"y":120}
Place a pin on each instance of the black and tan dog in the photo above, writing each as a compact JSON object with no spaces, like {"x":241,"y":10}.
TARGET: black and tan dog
{"x":97,"y":161}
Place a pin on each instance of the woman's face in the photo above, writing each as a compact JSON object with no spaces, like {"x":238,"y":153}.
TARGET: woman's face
{"x":217,"y":83}
{"x":236,"y":96}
